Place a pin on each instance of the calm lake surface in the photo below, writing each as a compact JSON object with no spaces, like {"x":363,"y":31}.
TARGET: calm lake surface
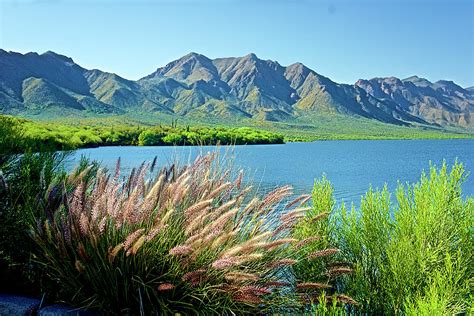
{"x":351,"y":166}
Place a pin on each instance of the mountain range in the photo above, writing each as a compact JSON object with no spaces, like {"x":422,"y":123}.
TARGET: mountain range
{"x":247,"y":87}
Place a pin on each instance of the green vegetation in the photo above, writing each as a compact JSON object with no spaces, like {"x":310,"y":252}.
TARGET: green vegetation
{"x":413,"y":258}
{"x":316,"y":219}
{"x":317,"y":266}
{"x":311,"y":128}
{"x":62,"y":136}
{"x":417,"y":253}
{"x":194,"y":239}
{"x":10,"y":132}
{"x":190,"y":240}
{"x":341,"y":127}
{"x":24,"y":181}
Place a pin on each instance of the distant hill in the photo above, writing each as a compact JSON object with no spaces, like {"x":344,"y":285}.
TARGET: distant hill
{"x":247,"y":87}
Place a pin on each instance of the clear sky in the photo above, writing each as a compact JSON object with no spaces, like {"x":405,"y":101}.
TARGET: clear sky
{"x":344,"y":40}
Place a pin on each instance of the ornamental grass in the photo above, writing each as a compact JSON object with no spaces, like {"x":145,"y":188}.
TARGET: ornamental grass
{"x":188,"y":239}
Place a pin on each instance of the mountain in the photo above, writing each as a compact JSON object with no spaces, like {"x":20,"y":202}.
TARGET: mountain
{"x":442,"y":102}
{"x":232,"y":88}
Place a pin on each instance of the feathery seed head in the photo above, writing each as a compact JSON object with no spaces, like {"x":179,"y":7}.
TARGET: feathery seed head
{"x":307,"y":241}
{"x":113,"y":252}
{"x":224,"y":263}
{"x":281,"y":263}
{"x":319,"y":216}
{"x":137,"y":245}
{"x":248,"y":299}
{"x":323,"y":253}
{"x":312,"y":286}
{"x":336,"y":271}
{"x":165,"y":287}
{"x":276,"y":243}
{"x":132,"y":237}
{"x":298,"y":199}
{"x":346,"y":299}
{"x":254,"y":290}
{"x":182,"y":250}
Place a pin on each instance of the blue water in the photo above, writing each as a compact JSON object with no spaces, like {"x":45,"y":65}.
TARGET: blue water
{"x":351,"y":166}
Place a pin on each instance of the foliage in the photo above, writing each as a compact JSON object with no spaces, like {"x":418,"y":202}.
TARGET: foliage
{"x":193,"y":238}
{"x":23,"y":180}
{"x":339,"y":127}
{"x":308,"y":127}
{"x":313,"y":230}
{"x":415,"y":256}
{"x":187,"y":239}
{"x":10,"y":132}
{"x":23,"y":184}
{"x":39,"y":135}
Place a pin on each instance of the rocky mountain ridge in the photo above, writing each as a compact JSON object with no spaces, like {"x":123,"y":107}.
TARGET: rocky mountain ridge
{"x":224,"y":88}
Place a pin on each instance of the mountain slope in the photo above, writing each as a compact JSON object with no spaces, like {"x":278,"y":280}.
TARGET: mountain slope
{"x":442,"y":102}
{"x":257,"y":82}
{"x":318,"y":93}
{"x":265,"y":90}
{"x":232,"y":88}
{"x":57,"y":69}
{"x":41,"y":93}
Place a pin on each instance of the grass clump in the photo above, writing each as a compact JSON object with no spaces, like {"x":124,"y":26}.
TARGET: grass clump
{"x":24,"y":180}
{"x":23,"y":184}
{"x":187,"y":239}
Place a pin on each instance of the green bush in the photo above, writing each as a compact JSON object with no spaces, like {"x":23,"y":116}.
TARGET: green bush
{"x":414,"y":256}
{"x":174,"y":139}
{"x":150,"y":138}
{"x":52,"y":136}
{"x":316,"y":253}
{"x":10,"y":134}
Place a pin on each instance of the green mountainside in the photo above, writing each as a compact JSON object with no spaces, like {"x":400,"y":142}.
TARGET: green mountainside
{"x":231,"y":91}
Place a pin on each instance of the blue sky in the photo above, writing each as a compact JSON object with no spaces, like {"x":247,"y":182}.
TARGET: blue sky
{"x":344,"y":40}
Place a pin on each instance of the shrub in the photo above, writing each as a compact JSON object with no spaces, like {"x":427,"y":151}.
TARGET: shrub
{"x":59,"y":136}
{"x":414,"y":256}
{"x":317,"y":277}
{"x":188,"y":239}
{"x":174,"y":139}
{"x":10,"y":134}
{"x":150,"y":138}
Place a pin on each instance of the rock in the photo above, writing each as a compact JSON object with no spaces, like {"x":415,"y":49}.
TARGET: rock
{"x":18,"y":306}
{"x":62,"y":310}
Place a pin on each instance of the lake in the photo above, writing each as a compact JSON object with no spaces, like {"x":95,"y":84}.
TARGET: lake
{"x":351,"y":166}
